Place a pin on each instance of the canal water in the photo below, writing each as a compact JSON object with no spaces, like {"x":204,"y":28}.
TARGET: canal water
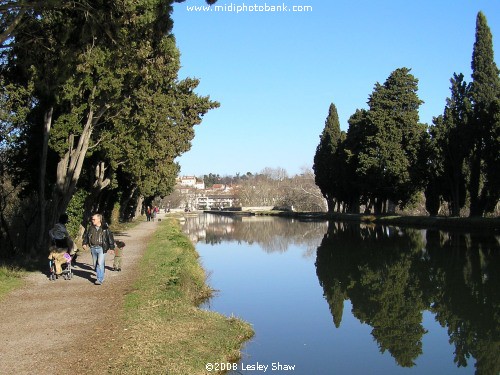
{"x":347,"y":298}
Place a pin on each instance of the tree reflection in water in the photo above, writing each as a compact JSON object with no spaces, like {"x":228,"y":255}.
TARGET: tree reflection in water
{"x":392,"y":275}
{"x":270,"y":233}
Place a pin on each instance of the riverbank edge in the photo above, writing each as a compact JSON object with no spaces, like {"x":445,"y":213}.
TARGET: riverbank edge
{"x":164,"y":330}
{"x":424,"y":222}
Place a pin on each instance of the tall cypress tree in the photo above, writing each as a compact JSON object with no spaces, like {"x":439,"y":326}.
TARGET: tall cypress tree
{"x":389,"y":160}
{"x":325,"y":169}
{"x":484,"y":185}
{"x":450,"y":135}
{"x":354,"y":187}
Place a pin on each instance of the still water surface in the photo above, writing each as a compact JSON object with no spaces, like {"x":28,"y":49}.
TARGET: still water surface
{"x":344,"y":298}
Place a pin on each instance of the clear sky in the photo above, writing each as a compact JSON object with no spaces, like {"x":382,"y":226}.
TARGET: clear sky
{"x":275,"y":73}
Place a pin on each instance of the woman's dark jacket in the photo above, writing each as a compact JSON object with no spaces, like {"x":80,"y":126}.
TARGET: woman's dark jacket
{"x":99,"y":237}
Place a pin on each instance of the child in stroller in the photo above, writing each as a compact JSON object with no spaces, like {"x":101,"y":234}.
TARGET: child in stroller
{"x":61,"y":250}
{"x":60,"y":266}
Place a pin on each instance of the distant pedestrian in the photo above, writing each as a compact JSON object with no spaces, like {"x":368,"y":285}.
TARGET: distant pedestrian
{"x":148,"y":213}
{"x":99,"y":239}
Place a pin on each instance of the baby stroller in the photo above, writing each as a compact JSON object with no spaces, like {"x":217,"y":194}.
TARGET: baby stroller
{"x":66,"y":272}
{"x":61,"y":250}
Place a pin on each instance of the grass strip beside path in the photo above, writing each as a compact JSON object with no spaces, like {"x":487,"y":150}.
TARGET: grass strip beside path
{"x":10,"y":278}
{"x":165,"y":331}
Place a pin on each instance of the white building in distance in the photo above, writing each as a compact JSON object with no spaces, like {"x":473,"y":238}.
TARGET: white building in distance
{"x":196,"y":197}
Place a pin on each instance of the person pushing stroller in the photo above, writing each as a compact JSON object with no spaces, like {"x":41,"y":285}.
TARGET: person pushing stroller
{"x":62,"y":248}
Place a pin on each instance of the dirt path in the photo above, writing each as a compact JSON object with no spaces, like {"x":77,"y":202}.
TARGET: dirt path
{"x":60,"y":327}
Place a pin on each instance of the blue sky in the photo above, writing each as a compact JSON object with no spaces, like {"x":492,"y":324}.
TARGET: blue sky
{"x":276,"y":73}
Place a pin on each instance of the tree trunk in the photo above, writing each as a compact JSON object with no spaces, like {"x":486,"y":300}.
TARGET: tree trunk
{"x":455,"y":199}
{"x":330,"y":203}
{"x":70,"y":166}
{"x":138,"y":208}
{"x":455,"y":190}
{"x":4,"y":224}
{"x":391,"y":207}
{"x":42,"y":203}
{"x":475,"y":186}
{"x":354,"y":206}
{"x":125,"y":206}
{"x":100,"y":183}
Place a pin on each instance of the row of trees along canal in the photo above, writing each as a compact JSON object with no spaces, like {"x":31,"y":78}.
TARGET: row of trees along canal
{"x":92,"y":113}
{"x":388,"y":156}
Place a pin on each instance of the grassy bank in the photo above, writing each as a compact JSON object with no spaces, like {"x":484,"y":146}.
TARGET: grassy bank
{"x":10,"y":278}
{"x":165,"y":331}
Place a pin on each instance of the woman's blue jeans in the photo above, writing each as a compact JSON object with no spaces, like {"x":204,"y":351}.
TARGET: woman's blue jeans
{"x":98,"y":261}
